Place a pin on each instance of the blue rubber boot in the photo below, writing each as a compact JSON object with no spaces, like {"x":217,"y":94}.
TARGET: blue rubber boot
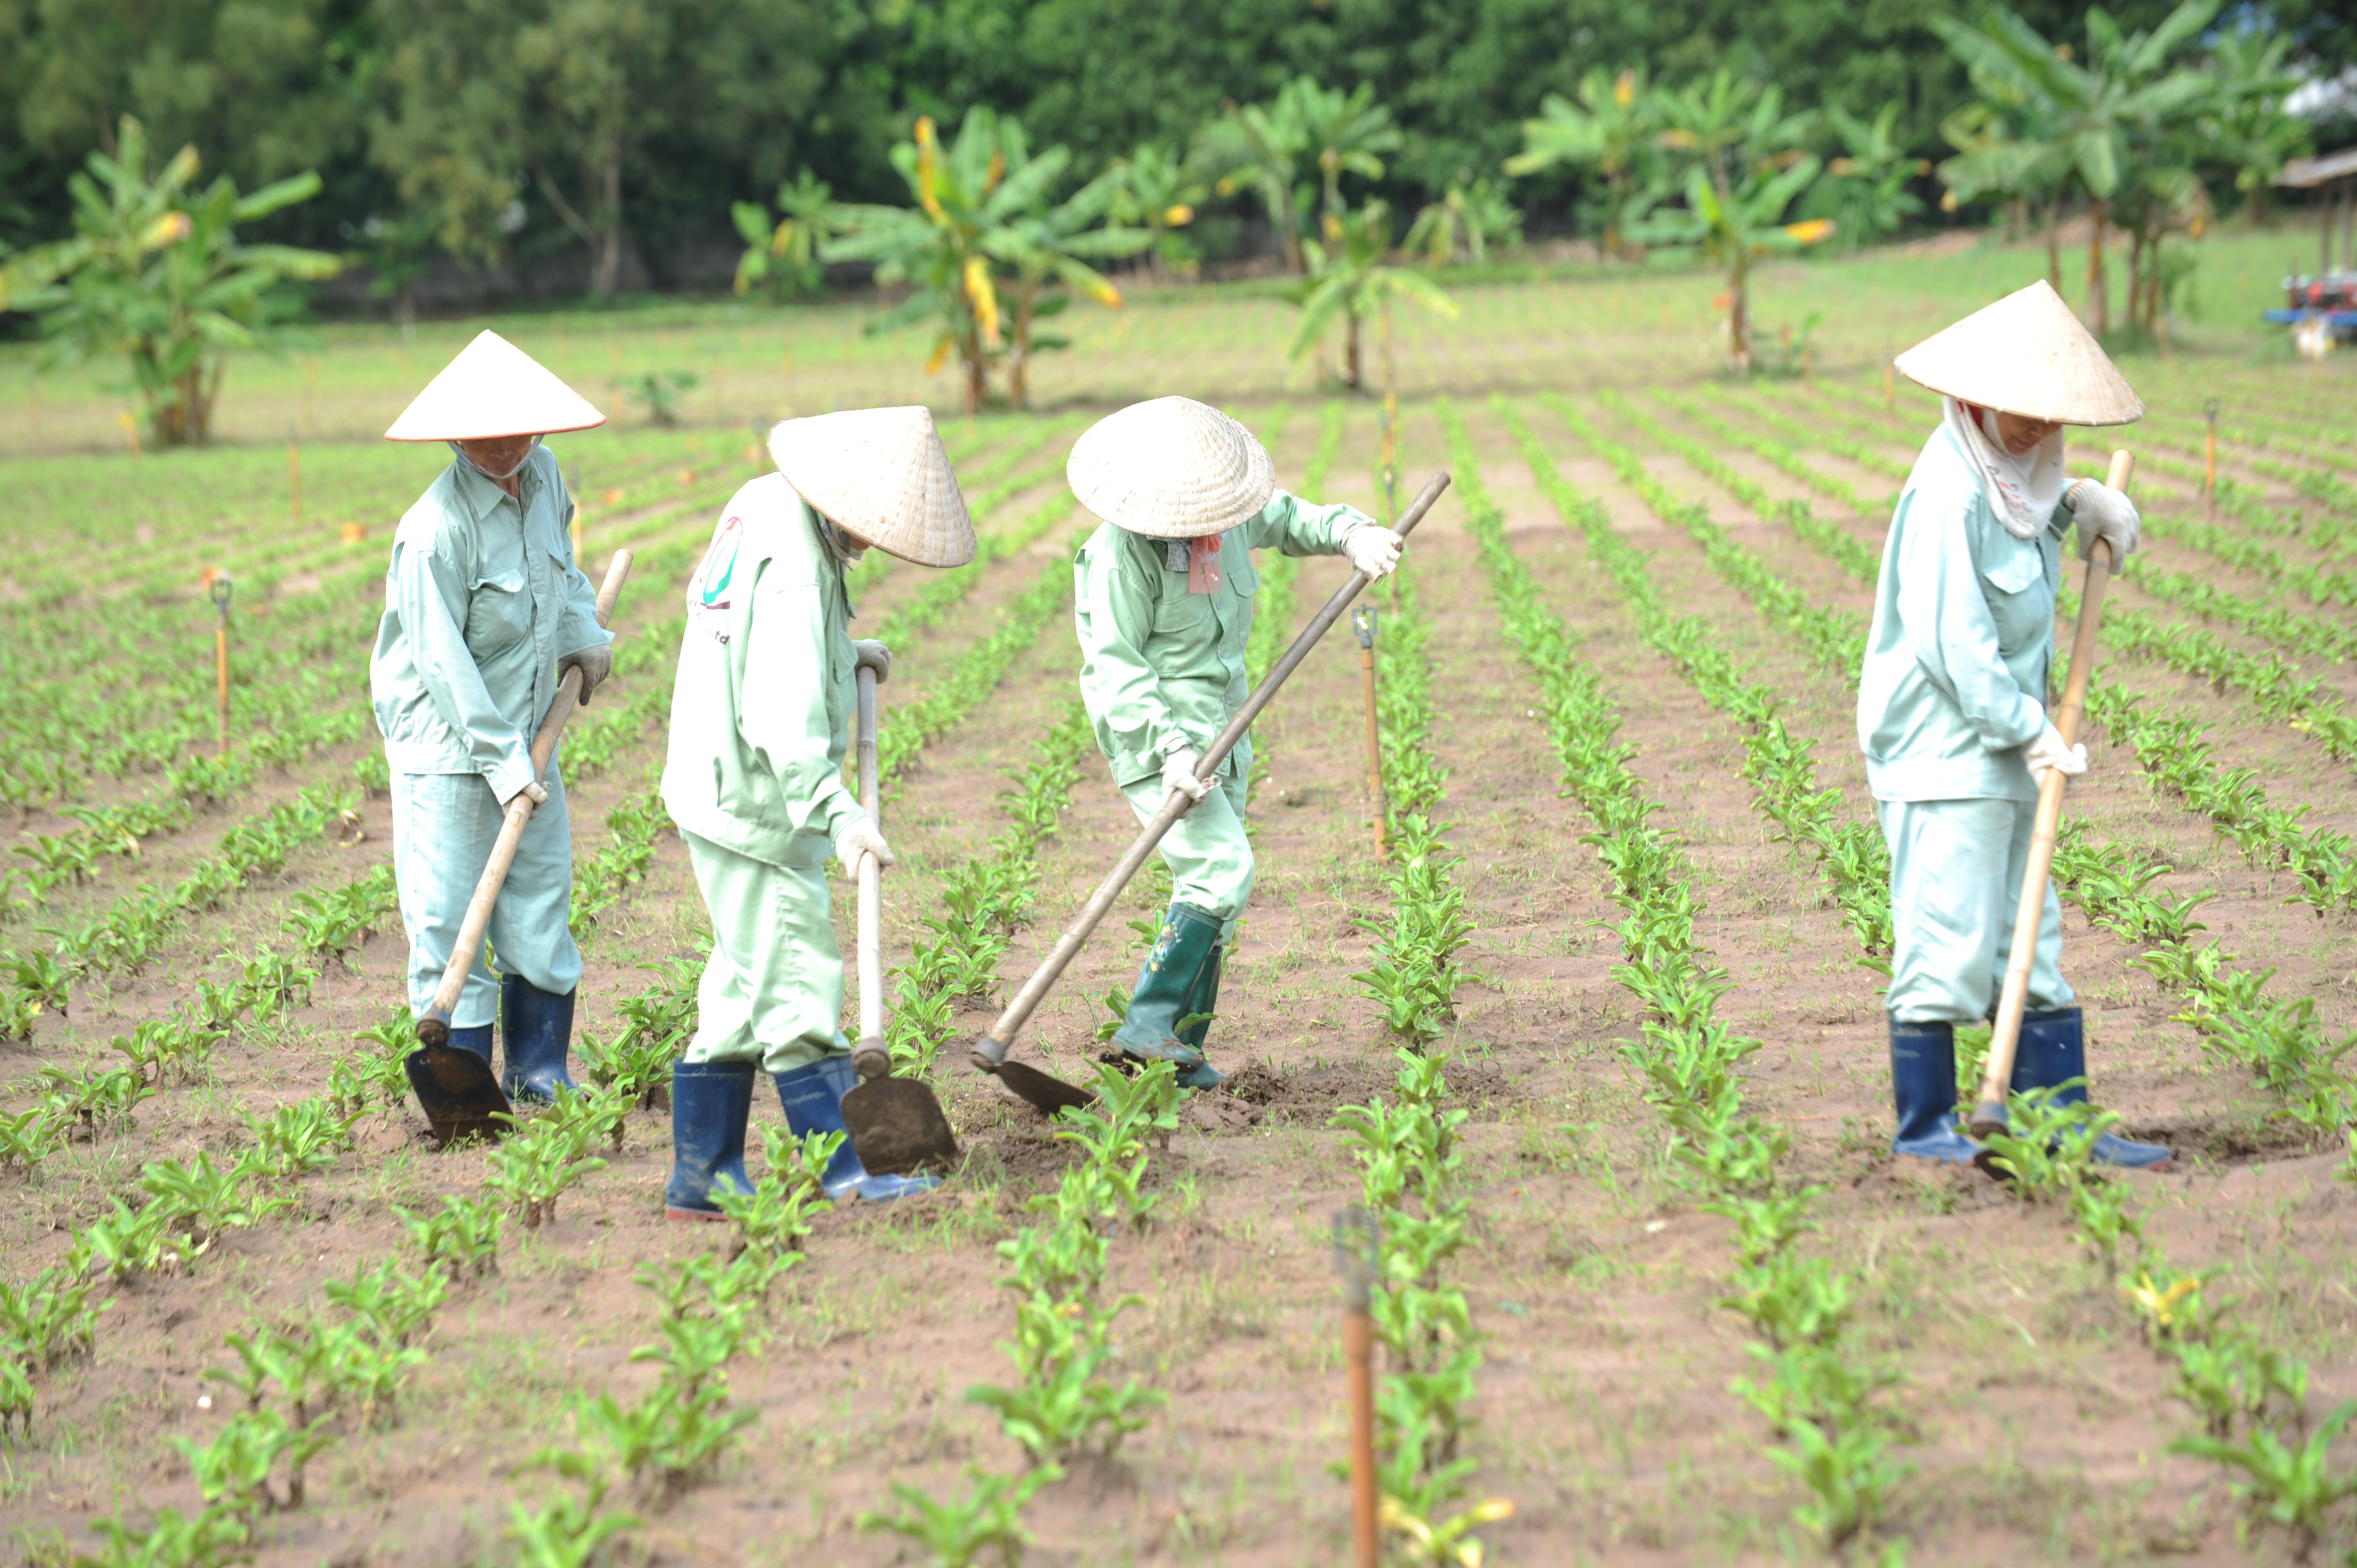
{"x":476,"y":1039}
{"x":1203,"y":999}
{"x":1167,"y":986}
{"x":1923,"y":1088}
{"x":2053,"y":1052}
{"x":812,"y":1097}
{"x":538,"y":1028}
{"x":709,"y":1104}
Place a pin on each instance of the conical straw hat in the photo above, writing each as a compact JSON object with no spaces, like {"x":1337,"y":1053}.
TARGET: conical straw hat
{"x":2027,"y":354}
{"x":880,"y":473}
{"x":1171,"y":469}
{"x":492,"y":388}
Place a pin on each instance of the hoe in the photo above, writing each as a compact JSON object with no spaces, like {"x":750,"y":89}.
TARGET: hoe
{"x":988,"y":1053}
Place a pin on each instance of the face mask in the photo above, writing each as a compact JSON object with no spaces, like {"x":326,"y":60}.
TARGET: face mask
{"x":510,"y":474}
{"x":840,"y":543}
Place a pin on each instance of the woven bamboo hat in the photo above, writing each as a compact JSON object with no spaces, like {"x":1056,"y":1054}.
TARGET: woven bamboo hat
{"x":1171,"y":469}
{"x":2027,"y":354}
{"x":881,"y":473}
{"x":492,"y":388}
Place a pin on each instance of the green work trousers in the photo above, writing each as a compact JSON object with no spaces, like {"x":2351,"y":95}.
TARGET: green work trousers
{"x":774,"y":990}
{"x":1955,"y":876}
{"x":1210,"y":858}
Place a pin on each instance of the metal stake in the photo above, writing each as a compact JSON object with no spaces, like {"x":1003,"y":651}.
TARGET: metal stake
{"x":1357,"y":1238}
{"x":2210,"y":464}
{"x":220,"y":587}
{"x":1363,"y":621}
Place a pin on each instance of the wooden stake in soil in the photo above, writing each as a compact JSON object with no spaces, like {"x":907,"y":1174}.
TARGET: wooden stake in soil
{"x":2210,"y":464}
{"x":220,"y":589}
{"x":1355,"y":1242}
{"x":1362,"y":622}
{"x":294,"y":473}
{"x":1988,"y":1116}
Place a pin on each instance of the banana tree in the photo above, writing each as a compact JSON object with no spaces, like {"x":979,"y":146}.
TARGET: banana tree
{"x":1346,"y":132}
{"x":1350,"y":283}
{"x":1049,"y":249}
{"x":1158,"y":192}
{"x":1865,"y":188}
{"x":784,"y":252}
{"x":1618,"y":133}
{"x":154,"y":273}
{"x":2100,"y":118}
{"x":1262,"y":148}
{"x":1734,"y":223}
{"x":1466,"y":221}
{"x":966,"y":194}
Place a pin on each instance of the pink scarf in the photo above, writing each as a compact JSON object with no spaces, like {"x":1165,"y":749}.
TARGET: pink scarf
{"x":1203,"y":565}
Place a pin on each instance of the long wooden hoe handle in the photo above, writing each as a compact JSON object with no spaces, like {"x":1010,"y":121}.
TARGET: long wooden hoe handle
{"x":1989,"y":1115}
{"x":871,"y":1057}
{"x":433,"y":1024}
{"x":989,"y":1050}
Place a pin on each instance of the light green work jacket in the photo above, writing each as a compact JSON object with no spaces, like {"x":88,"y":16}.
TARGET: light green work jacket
{"x":481,"y":599}
{"x":760,"y":715}
{"x":1963,"y":641}
{"x":1162,"y":669}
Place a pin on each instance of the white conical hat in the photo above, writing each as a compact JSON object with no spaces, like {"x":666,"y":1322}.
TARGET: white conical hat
{"x":1171,"y":469}
{"x":880,"y":473}
{"x":2027,"y":354}
{"x":492,"y":388}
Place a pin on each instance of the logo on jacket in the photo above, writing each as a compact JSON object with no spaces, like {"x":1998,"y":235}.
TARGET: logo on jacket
{"x":708,"y":591}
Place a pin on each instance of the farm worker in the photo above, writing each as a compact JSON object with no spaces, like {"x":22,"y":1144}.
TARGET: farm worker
{"x":1952,"y":701}
{"x":760,"y":723}
{"x":1163,"y":603}
{"x":484,"y":608}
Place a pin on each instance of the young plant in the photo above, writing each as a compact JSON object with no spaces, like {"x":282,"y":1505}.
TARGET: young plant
{"x":986,"y":1512}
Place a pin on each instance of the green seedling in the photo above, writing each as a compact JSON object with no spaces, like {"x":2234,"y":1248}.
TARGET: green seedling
{"x":461,"y":1242}
{"x":308,"y":1135}
{"x":49,"y":1319}
{"x":198,"y":1203}
{"x":535,"y":1164}
{"x":984,"y":1514}
{"x":394,"y":1305}
{"x":2047,"y":1151}
{"x":233,"y":1471}
{"x":2289,"y":1483}
{"x":212,"y":1539}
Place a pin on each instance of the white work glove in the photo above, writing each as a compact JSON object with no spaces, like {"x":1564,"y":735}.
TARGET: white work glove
{"x":873,"y":655}
{"x":595,"y":665}
{"x":535,"y":791}
{"x":2103,"y":512}
{"x":859,"y":837}
{"x":1179,"y":773}
{"x":2048,"y":752}
{"x":1372,"y":549}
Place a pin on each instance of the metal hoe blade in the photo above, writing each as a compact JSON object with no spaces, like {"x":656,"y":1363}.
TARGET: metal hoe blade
{"x":1044,"y":1091}
{"x":461,"y":1097}
{"x":897,"y":1128}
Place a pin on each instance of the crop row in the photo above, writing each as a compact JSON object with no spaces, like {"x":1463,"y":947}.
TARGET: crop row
{"x":1825,"y":1406}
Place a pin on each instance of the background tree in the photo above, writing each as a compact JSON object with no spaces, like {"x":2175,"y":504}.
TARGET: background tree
{"x":1351,"y":284}
{"x":155,"y":274}
{"x":1262,"y":148}
{"x":1471,"y":216}
{"x":1048,"y":250}
{"x":784,"y":251}
{"x":1157,"y":192}
{"x":2245,"y":126}
{"x":1745,"y":171}
{"x":1347,"y":133}
{"x":1864,"y":190}
{"x":2100,"y":118}
{"x":1615,"y":129}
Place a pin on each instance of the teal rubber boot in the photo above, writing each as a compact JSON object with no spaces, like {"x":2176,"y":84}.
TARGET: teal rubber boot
{"x":1165,"y":988}
{"x":1201,"y":1001}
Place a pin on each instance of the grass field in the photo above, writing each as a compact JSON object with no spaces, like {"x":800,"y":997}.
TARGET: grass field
{"x":1705,"y":1317}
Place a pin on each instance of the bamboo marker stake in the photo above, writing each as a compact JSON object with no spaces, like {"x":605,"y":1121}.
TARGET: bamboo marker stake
{"x":580,"y":504}
{"x":1889,"y":386}
{"x":219,"y":588}
{"x":2210,"y":464}
{"x":1355,"y":1240}
{"x":294,"y":473}
{"x":1363,"y":621}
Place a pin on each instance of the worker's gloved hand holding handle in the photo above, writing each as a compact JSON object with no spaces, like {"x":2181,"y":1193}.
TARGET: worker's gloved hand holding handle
{"x":1179,"y":773}
{"x":2047,"y":751}
{"x":858,"y":837}
{"x":533,"y":788}
{"x":1372,"y":549}
{"x":595,"y":663}
{"x":2103,"y":512}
